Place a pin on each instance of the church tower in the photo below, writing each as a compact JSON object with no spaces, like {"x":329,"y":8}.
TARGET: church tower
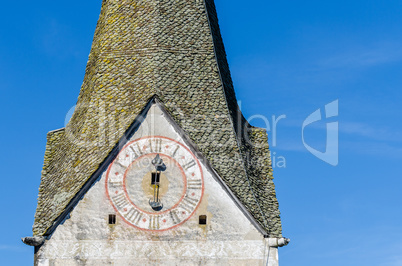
{"x":157,"y":165}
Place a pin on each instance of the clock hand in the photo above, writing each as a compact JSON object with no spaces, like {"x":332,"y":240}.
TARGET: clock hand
{"x":158,"y":163}
{"x":157,"y":187}
{"x":156,"y":204}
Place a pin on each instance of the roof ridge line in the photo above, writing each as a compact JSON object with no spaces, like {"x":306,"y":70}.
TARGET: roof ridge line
{"x":230,"y":116}
{"x":102,"y":167}
{"x":56,"y":130}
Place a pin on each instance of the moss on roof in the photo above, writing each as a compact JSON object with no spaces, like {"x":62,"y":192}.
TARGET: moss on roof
{"x":172,"y":49}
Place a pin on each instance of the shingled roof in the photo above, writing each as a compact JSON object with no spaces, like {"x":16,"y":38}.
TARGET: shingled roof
{"x":172,"y":50}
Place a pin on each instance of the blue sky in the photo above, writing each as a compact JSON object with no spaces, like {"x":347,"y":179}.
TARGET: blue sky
{"x":287,"y":58}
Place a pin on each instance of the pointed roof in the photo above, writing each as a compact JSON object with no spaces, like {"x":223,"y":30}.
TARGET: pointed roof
{"x":174,"y":50}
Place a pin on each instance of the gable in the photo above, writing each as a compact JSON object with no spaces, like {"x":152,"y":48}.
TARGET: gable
{"x":228,"y":224}
{"x":156,"y":122}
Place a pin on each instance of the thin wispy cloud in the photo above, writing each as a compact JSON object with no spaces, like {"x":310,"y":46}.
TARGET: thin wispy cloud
{"x":364,"y":57}
{"x":352,"y":128}
{"x":356,"y":137}
{"x":374,"y":148}
{"x":365,"y":130}
{"x":393,"y":261}
{"x":393,"y":254}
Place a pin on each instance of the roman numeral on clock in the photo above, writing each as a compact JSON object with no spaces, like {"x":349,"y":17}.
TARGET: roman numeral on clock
{"x":189,"y":203}
{"x":157,"y":145}
{"x":115,"y":183}
{"x":136,"y":150}
{"x":175,"y":217}
{"x":175,"y":151}
{"x":189,"y":165}
{"x":154,"y":222}
{"x":194,"y":184}
{"x":122,"y":164}
{"x":119,"y":200}
{"x":133,"y":216}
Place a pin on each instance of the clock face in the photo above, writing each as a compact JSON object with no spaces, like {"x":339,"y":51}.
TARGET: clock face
{"x":155,"y":183}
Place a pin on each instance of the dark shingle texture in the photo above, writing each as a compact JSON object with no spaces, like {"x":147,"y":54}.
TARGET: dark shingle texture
{"x":144,"y":48}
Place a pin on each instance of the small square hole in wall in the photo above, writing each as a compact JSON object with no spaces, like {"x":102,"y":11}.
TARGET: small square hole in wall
{"x":112,"y":219}
{"x":203,"y":220}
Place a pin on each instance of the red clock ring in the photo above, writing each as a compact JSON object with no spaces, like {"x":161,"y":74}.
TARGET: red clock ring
{"x":176,"y":225}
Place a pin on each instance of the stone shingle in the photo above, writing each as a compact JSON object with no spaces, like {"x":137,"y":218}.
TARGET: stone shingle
{"x":172,"y":49}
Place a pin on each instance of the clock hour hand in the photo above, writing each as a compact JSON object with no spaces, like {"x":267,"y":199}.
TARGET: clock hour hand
{"x":156,"y":203}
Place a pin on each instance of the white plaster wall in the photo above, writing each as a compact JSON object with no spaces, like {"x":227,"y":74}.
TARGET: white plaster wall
{"x":86,"y":238}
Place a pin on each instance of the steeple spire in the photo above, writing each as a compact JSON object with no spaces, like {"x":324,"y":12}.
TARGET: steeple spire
{"x":172,"y":50}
